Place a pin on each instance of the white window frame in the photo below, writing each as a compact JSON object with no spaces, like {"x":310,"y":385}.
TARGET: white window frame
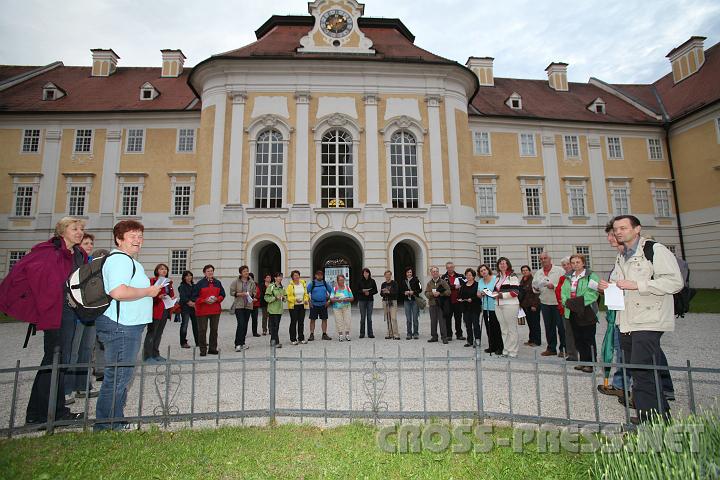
{"x":142,"y":140}
{"x":485,"y":183}
{"x":182,"y":179}
{"x":534,"y":258}
{"x":334,"y":162}
{"x":667,"y":192}
{"x":18,"y":254}
{"x":179,"y":136}
{"x":173,"y":258}
{"x":514,"y":97}
{"x":569,"y":138}
{"x":537,"y":183}
{"x":658,"y":147}
{"x":523,"y":153}
{"x":283,"y":168}
{"x":347,"y":123}
{"x":588,"y":254}
{"x":615,"y":191}
{"x":406,"y":153}
{"x":479,"y":142}
{"x":34,"y":185}
{"x":485,"y":256}
{"x":92,"y":141}
{"x":71,"y":181}
{"x":124,"y":181}
{"x":28,"y":135}
{"x":24,"y":193}
{"x":572,"y":190}
{"x":610,"y":148}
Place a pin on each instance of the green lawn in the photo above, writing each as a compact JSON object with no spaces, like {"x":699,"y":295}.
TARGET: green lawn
{"x":254,"y":452}
{"x":707,"y":300}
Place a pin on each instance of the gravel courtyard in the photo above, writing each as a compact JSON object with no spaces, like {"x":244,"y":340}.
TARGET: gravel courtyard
{"x":348,"y":380}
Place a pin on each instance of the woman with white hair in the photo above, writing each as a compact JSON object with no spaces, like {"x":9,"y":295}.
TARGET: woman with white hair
{"x":34,"y":292}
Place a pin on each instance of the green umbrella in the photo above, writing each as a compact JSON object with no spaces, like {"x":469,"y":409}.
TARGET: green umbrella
{"x":608,"y":346}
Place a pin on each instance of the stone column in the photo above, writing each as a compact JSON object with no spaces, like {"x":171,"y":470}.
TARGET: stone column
{"x":236,"y":148}
{"x":111,"y":167}
{"x":597,"y":178}
{"x":372,"y":174}
{"x":302,"y":164}
{"x":48,"y":182}
{"x":552,"y":179}
{"x":435,"y":140}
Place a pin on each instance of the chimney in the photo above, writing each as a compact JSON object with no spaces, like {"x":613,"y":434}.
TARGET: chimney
{"x":172,"y":63}
{"x":483,"y":68}
{"x":557,"y":76}
{"x":104,"y":62}
{"x":687,"y":58}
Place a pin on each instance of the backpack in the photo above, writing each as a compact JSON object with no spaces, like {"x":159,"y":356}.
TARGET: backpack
{"x":683,"y":297}
{"x":86,"y":289}
{"x":314,"y":284}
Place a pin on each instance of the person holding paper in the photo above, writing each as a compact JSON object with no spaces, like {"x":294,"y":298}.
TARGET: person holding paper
{"x":486,"y":286}
{"x":161,"y":313}
{"x":507,"y":306}
{"x":437,"y":292}
{"x":472,"y":307}
{"x":243,"y":292}
{"x":208,"y":295}
{"x":545,"y":280}
{"x":530,"y":303}
{"x":579,"y":294}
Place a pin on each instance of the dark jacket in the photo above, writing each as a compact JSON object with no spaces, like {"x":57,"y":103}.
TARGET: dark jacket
{"x":34,"y":289}
{"x":453,"y":290}
{"x":414,"y":286}
{"x":370,"y":285}
{"x":185,"y":291}
{"x":470,"y":293}
{"x":392,"y":294}
{"x":527,"y":296}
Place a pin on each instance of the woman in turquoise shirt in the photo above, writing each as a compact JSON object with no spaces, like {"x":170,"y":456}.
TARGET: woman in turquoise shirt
{"x":486,"y":281}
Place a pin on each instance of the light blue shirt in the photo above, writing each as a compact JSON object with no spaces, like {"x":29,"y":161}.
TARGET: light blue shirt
{"x":117,"y":271}
{"x":488,"y":302}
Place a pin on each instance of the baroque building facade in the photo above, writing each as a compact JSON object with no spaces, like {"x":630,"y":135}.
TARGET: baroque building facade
{"x":334,"y":139}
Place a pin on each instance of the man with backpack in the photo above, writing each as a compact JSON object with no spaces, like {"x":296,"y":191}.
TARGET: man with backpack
{"x":648,"y":274}
{"x":320,"y":292}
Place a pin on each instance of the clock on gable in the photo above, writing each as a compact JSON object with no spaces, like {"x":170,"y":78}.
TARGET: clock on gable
{"x":336,"y":29}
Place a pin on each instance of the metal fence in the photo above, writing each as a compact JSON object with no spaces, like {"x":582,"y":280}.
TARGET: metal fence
{"x":375,"y":388}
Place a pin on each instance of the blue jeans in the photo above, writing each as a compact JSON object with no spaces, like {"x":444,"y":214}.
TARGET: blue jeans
{"x":366,"y":307}
{"x":412,"y":317}
{"x":617,"y":380}
{"x":82,"y":346}
{"x":122,"y":344}
{"x":553,"y":321}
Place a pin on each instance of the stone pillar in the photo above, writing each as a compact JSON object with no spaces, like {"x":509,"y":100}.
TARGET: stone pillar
{"x":302,"y":182}
{"x":452,"y":149}
{"x":552,"y":179}
{"x":371,"y":149}
{"x":236,"y":147}
{"x":48,"y":182}
{"x":597,"y":179}
{"x":216,"y":163}
{"x":435,"y":140}
{"x":111,"y":167}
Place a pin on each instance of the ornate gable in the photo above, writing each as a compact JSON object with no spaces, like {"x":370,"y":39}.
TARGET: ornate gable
{"x":336,"y":29}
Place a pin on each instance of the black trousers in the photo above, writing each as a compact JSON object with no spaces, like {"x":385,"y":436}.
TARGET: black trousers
{"x":254,"y":316}
{"x":242,"y":315}
{"x":38,"y":404}
{"x":494,"y":333}
{"x":533,"y":321}
{"x":455,"y":310}
{"x":470,"y":316}
{"x":151,"y":347}
{"x":584,"y":340}
{"x":274,"y":328}
{"x":297,"y":323}
{"x":643,"y":347}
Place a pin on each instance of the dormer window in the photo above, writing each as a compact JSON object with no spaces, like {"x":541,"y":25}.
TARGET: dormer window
{"x":597,"y":106}
{"x":514,"y":101}
{"x":148,"y":92}
{"x":52,"y":92}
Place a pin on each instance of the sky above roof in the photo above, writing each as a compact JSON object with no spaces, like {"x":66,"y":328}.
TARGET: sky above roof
{"x":616,"y":41}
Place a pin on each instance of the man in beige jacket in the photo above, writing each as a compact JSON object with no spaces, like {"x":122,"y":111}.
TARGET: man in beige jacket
{"x":648,"y":288}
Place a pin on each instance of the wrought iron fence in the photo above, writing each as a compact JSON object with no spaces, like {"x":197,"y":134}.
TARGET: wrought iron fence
{"x":378,"y":388}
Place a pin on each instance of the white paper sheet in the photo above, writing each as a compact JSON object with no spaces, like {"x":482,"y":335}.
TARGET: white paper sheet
{"x":593,"y":285}
{"x":162,"y":281}
{"x":521,"y":313}
{"x":169,"y":302}
{"x":490,"y":293}
{"x":614,"y":298}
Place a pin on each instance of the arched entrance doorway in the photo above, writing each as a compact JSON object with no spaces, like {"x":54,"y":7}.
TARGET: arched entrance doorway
{"x":268,"y":260}
{"x":404,"y":255}
{"x":339,"y":251}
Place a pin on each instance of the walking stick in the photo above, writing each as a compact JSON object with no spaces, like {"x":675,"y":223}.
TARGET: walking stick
{"x":387,"y":319}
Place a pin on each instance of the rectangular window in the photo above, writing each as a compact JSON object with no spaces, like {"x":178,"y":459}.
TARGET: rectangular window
{"x":14,"y":257}
{"x":527,"y":144}
{"x":535,"y":253}
{"x":614,"y":148}
{"x":186,"y":140}
{"x":584,"y":250}
{"x":662,"y":202}
{"x":621,"y":201}
{"x":577,"y":201}
{"x":490,"y":256}
{"x":31,"y":141}
{"x":83,"y":141}
{"x":572,"y":148}
{"x":23,"y":201}
{"x":482,"y":143}
{"x":178,"y":262}
{"x":135,"y":138}
{"x":655,"y":149}
{"x":130,"y":200}
{"x":486,"y":200}
{"x":181,"y":200}
{"x":77,"y":200}
{"x":532,"y":202}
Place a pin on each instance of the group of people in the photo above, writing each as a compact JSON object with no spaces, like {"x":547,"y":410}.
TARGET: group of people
{"x":565,"y":297}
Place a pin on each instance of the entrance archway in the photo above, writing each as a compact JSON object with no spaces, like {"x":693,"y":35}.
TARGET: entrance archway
{"x":268,"y":260}
{"x":406,"y":254}
{"x":339,"y":251}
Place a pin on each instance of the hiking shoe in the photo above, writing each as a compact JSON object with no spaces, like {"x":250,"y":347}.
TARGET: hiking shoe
{"x":238,"y":348}
{"x":294,"y":342}
{"x":326,"y":337}
{"x":69,"y":401}
{"x":347,"y":337}
{"x":341,"y":338}
{"x":311,"y":337}
{"x":91,"y":394}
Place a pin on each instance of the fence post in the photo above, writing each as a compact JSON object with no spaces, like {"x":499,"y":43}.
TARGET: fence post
{"x":479,"y":384}
{"x":399,"y":369}
{"x":192,"y":387}
{"x":449,"y":394}
{"x":13,"y":403}
{"x":242,"y":387}
{"x":273,"y":366}
{"x":52,"y":400}
{"x":691,"y":390}
{"x":424,"y":387}
{"x":166,"y":406}
{"x":217,"y":391}
{"x":302,"y":404}
{"x":537,"y":385}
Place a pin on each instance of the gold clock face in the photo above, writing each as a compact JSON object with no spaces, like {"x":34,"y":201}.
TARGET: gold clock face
{"x":336,"y":23}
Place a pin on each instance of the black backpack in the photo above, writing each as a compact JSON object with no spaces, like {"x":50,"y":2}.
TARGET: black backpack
{"x":683,"y":297}
{"x":86,"y":289}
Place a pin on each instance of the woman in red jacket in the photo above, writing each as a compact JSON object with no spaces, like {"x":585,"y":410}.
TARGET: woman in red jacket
{"x":151,"y":348}
{"x":208,"y":294}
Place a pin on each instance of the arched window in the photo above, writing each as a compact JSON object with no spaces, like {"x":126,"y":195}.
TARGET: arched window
{"x":336,"y":177}
{"x":404,"y":170}
{"x":269,"y":153}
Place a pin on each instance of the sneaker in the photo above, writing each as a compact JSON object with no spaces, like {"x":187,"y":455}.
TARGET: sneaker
{"x":311,"y":337}
{"x":433,"y":340}
{"x":91,"y":394}
{"x":416,"y":337}
{"x":341,"y":338}
{"x":347,"y":337}
{"x":304,"y":342}
{"x":397,"y":338}
{"x":238,"y":348}
{"x":160,"y":358}
{"x":246,"y":346}
{"x":362,"y":335}
{"x":561,"y":354}
{"x":294,"y":342}
{"x":388,"y":337}
{"x":371,"y":336}
{"x":548,"y":353}
{"x":256,"y":334}
{"x":409,"y":337}
{"x":185,"y":345}
{"x":213,"y":352}
{"x":279,"y":345}
{"x":488,"y":350}
{"x":468,"y":345}
{"x":326,"y":337}
{"x":69,"y":400}
{"x":460,"y":337}
{"x":445,"y":341}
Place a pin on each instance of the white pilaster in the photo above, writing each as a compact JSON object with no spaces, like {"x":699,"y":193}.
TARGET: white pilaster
{"x":49,"y":179}
{"x":452,"y":149}
{"x":597,"y":176}
{"x":236,"y":147}
{"x":217,"y":153}
{"x":302,"y":100}
{"x":371,"y":149}
{"x":436,"y":171}
{"x":552,"y":178}
{"x":111,"y":167}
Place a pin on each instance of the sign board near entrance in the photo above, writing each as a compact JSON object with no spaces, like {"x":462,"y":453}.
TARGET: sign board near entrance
{"x":331,"y":274}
